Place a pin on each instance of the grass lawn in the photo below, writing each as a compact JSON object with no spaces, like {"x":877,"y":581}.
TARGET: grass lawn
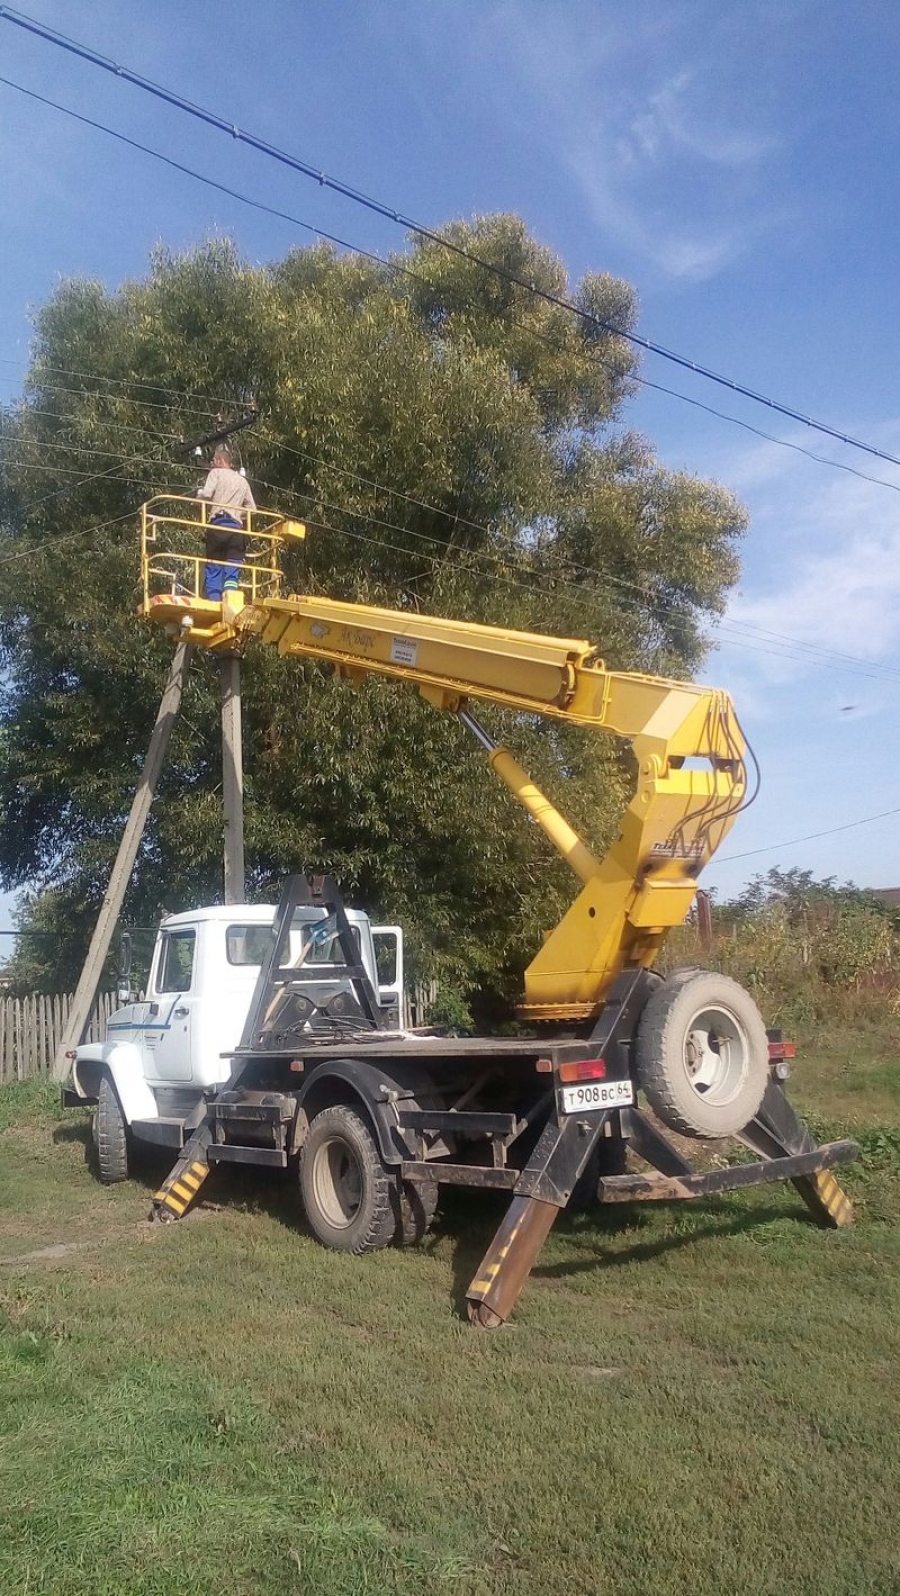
{"x":699,"y":1399}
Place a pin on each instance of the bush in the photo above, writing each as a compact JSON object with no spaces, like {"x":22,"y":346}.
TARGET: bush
{"x":808,"y":950}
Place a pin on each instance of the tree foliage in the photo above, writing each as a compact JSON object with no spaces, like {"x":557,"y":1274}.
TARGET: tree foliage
{"x":456,"y":445}
{"x":811,"y":949}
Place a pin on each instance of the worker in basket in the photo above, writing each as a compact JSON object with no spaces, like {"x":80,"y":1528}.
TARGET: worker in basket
{"x":229,"y":494}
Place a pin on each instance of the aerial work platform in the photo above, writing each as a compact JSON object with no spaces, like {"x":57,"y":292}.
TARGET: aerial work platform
{"x":174,"y":563}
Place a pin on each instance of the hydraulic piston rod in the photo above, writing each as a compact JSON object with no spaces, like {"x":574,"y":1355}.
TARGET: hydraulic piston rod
{"x":565,"y":839}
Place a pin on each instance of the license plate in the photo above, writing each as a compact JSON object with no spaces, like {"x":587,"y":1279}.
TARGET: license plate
{"x":594,"y":1095}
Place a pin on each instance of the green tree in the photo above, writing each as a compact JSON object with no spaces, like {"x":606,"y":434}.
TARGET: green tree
{"x":456,"y":445}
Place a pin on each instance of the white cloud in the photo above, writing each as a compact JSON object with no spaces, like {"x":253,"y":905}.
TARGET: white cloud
{"x":822,"y":597}
{"x":646,"y":142}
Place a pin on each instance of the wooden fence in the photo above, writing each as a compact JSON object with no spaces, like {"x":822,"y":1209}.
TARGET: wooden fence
{"x":417,"y":1001}
{"x":31,"y":1027}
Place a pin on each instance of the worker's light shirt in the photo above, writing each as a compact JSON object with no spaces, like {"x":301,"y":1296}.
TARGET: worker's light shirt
{"x":227,"y":490}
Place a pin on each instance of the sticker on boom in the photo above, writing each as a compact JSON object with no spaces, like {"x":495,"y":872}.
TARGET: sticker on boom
{"x":590,"y":1096}
{"x":404,"y":650}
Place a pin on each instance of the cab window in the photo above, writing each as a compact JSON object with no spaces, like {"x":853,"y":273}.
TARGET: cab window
{"x":322,"y":943}
{"x":247,"y":944}
{"x":176,"y":964}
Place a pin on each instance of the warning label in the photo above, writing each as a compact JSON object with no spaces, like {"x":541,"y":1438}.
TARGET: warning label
{"x":404,"y":650}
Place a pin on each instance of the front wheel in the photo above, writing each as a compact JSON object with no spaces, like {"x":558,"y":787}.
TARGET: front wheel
{"x":345,"y":1185}
{"x":110,"y":1135}
{"x":703,"y":1054}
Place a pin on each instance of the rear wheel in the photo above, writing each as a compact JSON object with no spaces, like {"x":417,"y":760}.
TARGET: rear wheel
{"x":110,"y":1135}
{"x":703,"y":1055}
{"x":415,"y":1205}
{"x":345,"y":1185}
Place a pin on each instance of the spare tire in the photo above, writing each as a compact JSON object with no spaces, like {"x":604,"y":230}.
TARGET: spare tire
{"x":703,"y":1054}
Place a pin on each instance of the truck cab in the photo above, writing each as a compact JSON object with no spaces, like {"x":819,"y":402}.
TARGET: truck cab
{"x":166,"y":1052}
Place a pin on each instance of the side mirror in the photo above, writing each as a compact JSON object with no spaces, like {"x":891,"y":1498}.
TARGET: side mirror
{"x":123,"y":982}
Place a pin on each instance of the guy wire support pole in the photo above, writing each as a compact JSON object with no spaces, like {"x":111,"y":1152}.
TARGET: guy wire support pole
{"x":232,"y":776}
{"x":111,"y":907}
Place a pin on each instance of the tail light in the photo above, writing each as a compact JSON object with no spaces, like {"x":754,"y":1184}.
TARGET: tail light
{"x":781,"y":1050}
{"x":589,"y":1069}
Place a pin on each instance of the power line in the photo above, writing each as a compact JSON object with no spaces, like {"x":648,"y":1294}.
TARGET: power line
{"x":390,"y":213}
{"x":24,"y":409}
{"x":812,"y":649}
{"x":730,"y":625}
{"x":786,"y":647}
{"x":397,"y":268}
{"x":67,"y":371}
{"x":99,"y":393}
{"x":811,"y":836}
{"x":583,"y":593}
{"x":606,"y":577}
{"x":47,"y":545}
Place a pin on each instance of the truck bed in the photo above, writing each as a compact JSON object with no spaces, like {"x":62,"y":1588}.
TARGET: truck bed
{"x":429,"y":1049}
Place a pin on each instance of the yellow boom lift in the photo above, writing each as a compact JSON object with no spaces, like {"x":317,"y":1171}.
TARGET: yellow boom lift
{"x":603,"y":1022}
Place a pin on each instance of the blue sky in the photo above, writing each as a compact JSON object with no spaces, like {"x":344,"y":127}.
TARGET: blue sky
{"x":738,"y":163}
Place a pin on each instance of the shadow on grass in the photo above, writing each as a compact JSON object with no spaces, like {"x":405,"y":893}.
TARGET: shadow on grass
{"x":466,"y":1222}
{"x":147,"y":1165}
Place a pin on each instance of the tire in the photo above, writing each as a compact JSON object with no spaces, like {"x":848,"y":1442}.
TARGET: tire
{"x":703,"y":1055}
{"x":345,"y":1185}
{"x":415,"y":1204}
{"x":110,"y":1135}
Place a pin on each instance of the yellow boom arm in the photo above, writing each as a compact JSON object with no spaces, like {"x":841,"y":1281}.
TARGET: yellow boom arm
{"x":686,"y":741}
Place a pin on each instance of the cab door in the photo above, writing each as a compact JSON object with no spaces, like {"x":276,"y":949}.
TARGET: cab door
{"x":167,"y":1036}
{"x":388,"y":947}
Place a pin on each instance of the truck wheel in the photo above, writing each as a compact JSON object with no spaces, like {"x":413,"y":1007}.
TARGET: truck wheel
{"x":703,"y":1055}
{"x":345,"y":1186}
{"x":415,"y":1205}
{"x":110,"y":1135}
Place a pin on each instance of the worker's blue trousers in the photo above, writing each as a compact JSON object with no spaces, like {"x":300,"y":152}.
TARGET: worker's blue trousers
{"x":219,"y":575}
{"x":217,"y":578}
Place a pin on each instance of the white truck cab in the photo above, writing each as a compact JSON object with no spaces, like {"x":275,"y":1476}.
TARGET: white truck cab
{"x":164,"y":1053}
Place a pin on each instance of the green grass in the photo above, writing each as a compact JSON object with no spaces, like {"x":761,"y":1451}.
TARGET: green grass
{"x":691,"y":1398}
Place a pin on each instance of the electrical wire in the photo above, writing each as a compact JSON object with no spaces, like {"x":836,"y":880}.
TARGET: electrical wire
{"x":811,"y":836}
{"x":69,"y":371}
{"x":728,"y":626}
{"x":583,"y":593}
{"x":396,"y":267}
{"x":857,"y":667}
{"x":119,"y":398}
{"x":812,"y":649}
{"x":49,"y":545}
{"x":52,"y":544}
{"x":390,"y":213}
{"x":606,"y":580}
{"x":816,"y":651}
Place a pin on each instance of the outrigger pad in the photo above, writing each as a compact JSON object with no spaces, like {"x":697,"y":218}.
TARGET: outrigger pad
{"x":787,"y":1148}
{"x":184,"y":1180}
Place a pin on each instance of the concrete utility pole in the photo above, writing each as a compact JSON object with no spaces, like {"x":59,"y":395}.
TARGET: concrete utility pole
{"x":232,"y":777}
{"x":86,"y":991}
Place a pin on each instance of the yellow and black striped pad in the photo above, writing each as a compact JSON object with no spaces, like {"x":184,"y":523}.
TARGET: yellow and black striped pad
{"x":183,"y":1182}
{"x":826,"y":1198}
